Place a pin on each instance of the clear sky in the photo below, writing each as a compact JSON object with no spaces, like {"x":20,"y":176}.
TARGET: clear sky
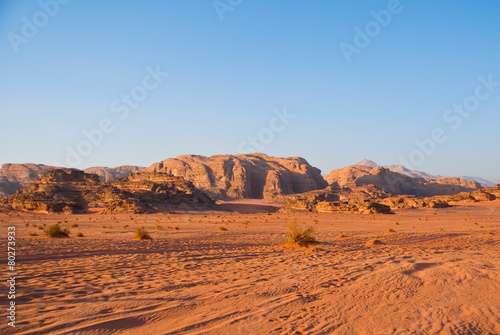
{"x":362,"y":79}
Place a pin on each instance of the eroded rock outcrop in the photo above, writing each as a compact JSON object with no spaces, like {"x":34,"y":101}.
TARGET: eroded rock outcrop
{"x":14,"y":177}
{"x":484,"y":194}
{"x":244,"y":176}
{"x":74,"y":191}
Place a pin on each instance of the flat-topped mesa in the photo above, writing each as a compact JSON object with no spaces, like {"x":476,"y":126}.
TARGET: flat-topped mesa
{"x":244,"y":175}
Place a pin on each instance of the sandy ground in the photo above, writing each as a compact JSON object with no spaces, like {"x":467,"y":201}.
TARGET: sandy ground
{"x":437,"y":273}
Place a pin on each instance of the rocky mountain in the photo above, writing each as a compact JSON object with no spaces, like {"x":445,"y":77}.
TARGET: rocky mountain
{"x":396,"y":183}
{"x":107,"y":174}
{"x":244,"y":176}
{"x":14,"y":177}
{"x":74,"y":191}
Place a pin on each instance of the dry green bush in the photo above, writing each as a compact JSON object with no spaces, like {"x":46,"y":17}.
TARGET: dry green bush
{"x":295,"y":235}
{"x":56,"y":231}
{"x":141,"y":234}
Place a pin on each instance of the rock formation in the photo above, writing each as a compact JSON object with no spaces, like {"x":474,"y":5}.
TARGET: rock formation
{"x":14,"y":177}
{"x":74,"y":191}
{"x":484,"y":194}
{"x":244,"y":176}
{"x":365,"y":200}
{"x":107,"y":174}
{"x":398,"y":184}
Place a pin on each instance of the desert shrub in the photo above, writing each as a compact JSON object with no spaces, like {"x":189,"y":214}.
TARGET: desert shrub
{"x":222,"y":228}
{"x":56,"y":231}
{"x":390,"y":230}
{"x":295,"y":235}
{"x":32,"y":233}
{"x":141,"y":234}
{"x":374,"y":242}
{"x":79,"y":234}
{"x":74,"y":225}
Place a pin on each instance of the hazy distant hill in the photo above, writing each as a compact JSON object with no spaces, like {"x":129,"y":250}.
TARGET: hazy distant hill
{"x":397,"y":168}
{"x":107,"y":174}
{"x":484,"y":182}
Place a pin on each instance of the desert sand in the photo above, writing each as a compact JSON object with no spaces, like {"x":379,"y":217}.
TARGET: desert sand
{"x":437,"y":273}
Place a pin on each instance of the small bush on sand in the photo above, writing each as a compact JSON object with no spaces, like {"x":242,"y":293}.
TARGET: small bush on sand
{"x":32,"y":233}
{"x":222,"y":228}
{"x":79,"y":234}
{"x":296,"y":236}
{"x":56,"y":231}
{"x":390,"y":230}
{"x":141,"y":234}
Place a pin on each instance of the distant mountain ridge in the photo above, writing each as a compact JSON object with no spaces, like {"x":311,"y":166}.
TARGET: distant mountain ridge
{"x":397,"y":168}
{"x":397,"y":183}
{"x":419,"y":174}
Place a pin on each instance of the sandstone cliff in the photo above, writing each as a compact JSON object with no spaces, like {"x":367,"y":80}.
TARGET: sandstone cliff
{"x":244,"y":176}
{"x":398,"y":184}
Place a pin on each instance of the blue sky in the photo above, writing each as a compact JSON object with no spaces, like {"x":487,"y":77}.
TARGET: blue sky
{"x":228,"y":78}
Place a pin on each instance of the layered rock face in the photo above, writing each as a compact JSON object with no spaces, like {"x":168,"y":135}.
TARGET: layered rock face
{"x":74,"y":191}
{"x":244,"y":176}
{"x":162,"y":190}
{"x":107,"y":174}
{"x":398,"y":184}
